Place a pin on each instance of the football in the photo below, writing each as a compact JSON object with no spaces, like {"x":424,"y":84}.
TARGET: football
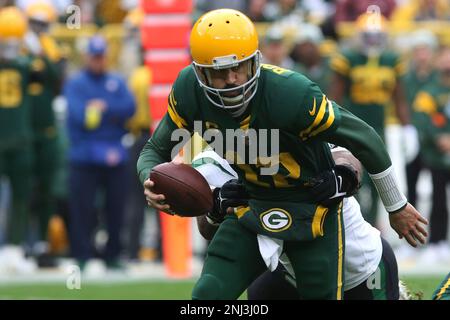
{"x":186,"y":191}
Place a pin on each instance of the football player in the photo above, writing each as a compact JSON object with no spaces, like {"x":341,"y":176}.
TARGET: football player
{"x":370,"y":266}
{"x":367,"y":80}
{"x":227,"y":88}
{"x":432,"y":104}
{"x":15,"y":121}
{"x":443,"y":291}
{"x":47,"y":64}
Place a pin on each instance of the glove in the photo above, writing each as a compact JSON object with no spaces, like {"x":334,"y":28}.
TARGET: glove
{"x":331,"y":186}
{"x":232,"y":194}
{"x":411,"y":142}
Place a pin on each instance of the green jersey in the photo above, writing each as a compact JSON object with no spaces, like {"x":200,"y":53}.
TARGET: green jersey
{"x":286,"y":101}
{"x":433,"y":106}
{"x":320,"y":74}
{"x":42,"y":93}
{"x":370,"y":83}
{"x":15,"y":126}
{"x":414,"y":85}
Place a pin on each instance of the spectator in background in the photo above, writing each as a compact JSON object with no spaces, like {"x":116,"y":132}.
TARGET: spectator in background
{"x":433,"y":104}
{"x":110,"y":11}
{"x":421,"y":71}
{"x":307,"y":56}
{"x":99,"y":104}
{"x":421,"y":10}
{"x":257,"y":12}
{"x":47,"y":63}
{"x":350,"y":10}
{"x":203,"y":6}
{"x":318,"y":11}
{"x":286,"y":14}
{"x":274,"y":49}
{"x":282,"y":8}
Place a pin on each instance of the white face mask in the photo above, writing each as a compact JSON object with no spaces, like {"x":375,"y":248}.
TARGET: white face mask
{"x":239,"y":103}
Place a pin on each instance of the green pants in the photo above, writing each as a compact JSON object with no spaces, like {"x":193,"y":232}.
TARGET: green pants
{"x":15,"y":163}
{"x":233,"y":262}
{"x":45,"y":166}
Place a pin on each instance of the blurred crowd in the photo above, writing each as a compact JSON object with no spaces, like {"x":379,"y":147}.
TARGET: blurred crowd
{"x":71,"y":129}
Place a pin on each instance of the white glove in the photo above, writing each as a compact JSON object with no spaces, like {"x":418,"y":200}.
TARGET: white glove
{"x":411,"y":145}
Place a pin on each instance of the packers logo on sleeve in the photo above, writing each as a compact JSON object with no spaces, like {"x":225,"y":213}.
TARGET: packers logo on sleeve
{"x":276,"y":220}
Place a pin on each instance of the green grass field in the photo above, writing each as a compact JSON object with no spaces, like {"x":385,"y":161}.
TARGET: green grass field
{"x":155,"y":290}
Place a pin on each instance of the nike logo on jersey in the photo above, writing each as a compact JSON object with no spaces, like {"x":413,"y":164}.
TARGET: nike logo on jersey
{"x":313,"y":111}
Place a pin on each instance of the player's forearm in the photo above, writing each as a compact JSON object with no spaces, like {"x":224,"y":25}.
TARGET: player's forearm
{"x":363,"y":142}
{"x":158,"y":149}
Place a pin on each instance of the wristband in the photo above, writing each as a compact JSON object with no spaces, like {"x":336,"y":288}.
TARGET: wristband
{"x":391,"y":196}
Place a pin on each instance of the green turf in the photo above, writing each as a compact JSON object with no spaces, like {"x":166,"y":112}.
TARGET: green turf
{"x":422,"y":287}
{"x":156,"y":290}
{"x":135,"y":290}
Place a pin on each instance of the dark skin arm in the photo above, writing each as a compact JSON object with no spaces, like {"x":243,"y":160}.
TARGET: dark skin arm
{"x":401,"y":108}
{"x":206,"y":229}
{"x":336,"y":91}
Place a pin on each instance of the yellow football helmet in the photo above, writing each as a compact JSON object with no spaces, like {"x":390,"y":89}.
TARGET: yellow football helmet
{"x":222,"y":39}
{"x":13,"y":26}
{"x":12,"y":23}
{"x":372,"y":32}
{"x":41,"y":11}
{"x":40,"y":15}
